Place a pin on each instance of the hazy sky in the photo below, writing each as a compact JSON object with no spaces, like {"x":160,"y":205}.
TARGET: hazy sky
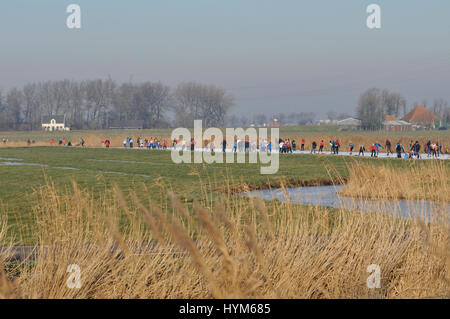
{"x":271,"y":55}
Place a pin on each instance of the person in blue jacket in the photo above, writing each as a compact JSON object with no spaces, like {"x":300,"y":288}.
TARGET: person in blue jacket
{"x":378,"y":145}
{"x":399,"y":148}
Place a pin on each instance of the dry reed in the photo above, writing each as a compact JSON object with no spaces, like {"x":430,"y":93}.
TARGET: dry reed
{"x":430,"y":181}
{"x":237,"y":248}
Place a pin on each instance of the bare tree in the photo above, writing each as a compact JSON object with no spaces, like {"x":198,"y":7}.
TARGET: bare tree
{"x":32,"y":105}
{"x":76,"y":100}
{"x":370,"y":109}
{"x":425,"y":102}
{"x":331,"y":115}
{"x":244,"y":121}
{"x":99,"y":96}
{"x":123,"y":100}
{"x":155,"y":102}
{"x":3,"y":118}
{"x":446,"y":115}
{"x":260,"y":119}
{"x":439,"y":106}
{"x":198,"y":101}
{"x":14,"y":101}
{"x":392,"y":102}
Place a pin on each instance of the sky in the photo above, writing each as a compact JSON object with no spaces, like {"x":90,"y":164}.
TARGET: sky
{"x":272,"y":56}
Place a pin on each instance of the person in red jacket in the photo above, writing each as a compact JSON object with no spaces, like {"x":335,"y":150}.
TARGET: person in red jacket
{"x":321,"y":145}
{"x":336,"y":147}
{"x":373,"y":151}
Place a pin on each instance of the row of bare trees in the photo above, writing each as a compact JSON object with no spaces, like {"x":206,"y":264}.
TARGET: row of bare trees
{"x":93,"y":104}
{"x":374,"y":104}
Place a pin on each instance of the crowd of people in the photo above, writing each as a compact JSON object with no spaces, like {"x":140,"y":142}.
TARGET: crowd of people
{"x":431,"y":149}
{"x":285,"y":146}
{"x":151,"y":143}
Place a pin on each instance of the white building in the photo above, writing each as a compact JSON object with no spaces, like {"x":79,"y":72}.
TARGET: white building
{"x":54,"y":123}
{"x":349,"y":124}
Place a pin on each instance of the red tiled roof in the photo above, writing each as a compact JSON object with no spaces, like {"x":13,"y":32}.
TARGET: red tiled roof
{"x":420,"y":114}
{"x":390,"y":118}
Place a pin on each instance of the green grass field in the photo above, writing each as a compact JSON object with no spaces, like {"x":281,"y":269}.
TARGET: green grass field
{"x":147,"y":173}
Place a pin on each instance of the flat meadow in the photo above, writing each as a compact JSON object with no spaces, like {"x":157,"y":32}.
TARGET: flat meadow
{"x":141,"y":226}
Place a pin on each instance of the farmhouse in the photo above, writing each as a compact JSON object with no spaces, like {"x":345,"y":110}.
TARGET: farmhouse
{"x":54,"y":123}
{"x":396,"y":126}
{"x":392,"y":124}
{"x":421,"y":116}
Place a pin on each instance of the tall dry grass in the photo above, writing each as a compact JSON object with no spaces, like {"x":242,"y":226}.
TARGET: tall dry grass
{"x":418,"y":181}
{"x":224,"y":246}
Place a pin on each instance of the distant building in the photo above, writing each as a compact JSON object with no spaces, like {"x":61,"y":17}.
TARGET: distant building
{"x":54,"y":123}
{"x":390,"y":118}
{"x":126,"y":125}
{"x":275,"y":123}
{"x":394,"y":125}
{"x":421,"y":116}
{"x":349,"y":124}
{"x":326,"y":122}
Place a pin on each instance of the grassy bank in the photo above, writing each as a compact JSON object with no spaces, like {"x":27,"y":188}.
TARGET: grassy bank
{"x":148,"y":173}
{"x":228,"y":247}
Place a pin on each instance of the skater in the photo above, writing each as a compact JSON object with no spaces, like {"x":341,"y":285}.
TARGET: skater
{"x":378,"y":145}
{"x":434,"y":149}
{"x":281,"y":146}
{"x":417,"y":149}
{"x":388,"y":147}
{"x":351,"y":146}
{"x":314,"y":145}
{"x":321,"y":145}
{"x":336,"y":147}
{"x":373,"y":150}
{"x":362,"y":149}
{"x":399,"y":148}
